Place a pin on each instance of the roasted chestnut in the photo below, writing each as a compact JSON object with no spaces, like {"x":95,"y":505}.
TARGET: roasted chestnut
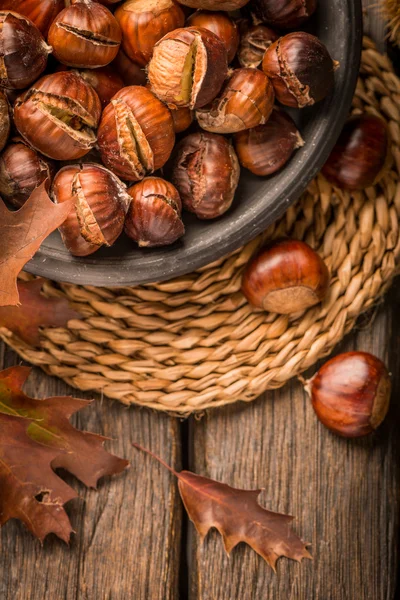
{"x":105,"y":81}
{"x":245,"y":101}
{"x":286,"y":276}
{"x":351,"y":393}
{"x":85,"y":34}
{"x":182,"y":117}
{"x":130,"y":72}
{"x":300,"y":68}
{"x":22,"y":170}
{"x":284,"y":14}
{"x":359,"y":156}
{"x":206,"y":173}
{"x":215,"y":4}
{"x":136,"y":133}
{"x":144,"y":23}
{"x":23,"y":51}
{"x":100,"y":205}
{"x":5,"y":123}
{"x":267,"y":148}
{"x":58,"y":116}
{"x":220,"y":24}
{"x":40,"y":12}
{"x":254,"y":41}
{"x":154,"y":215}
{"x":188,"y":67}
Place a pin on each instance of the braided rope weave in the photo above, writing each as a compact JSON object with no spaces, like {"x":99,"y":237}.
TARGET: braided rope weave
{"x":194,"y":343}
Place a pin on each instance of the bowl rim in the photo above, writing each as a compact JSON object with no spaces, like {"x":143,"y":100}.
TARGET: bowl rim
{"x":117,"y":271}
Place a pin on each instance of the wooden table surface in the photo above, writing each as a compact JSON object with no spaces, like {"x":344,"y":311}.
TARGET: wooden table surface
{"x":133,"y":540}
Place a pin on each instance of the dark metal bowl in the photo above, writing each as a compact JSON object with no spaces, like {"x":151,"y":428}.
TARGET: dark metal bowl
{"x":258,"y":202}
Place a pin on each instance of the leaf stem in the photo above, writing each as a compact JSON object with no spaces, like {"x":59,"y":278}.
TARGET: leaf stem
{"x":160,"y":460}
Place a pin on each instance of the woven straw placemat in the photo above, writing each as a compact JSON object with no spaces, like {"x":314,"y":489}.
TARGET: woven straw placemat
{"x":194,"y":343}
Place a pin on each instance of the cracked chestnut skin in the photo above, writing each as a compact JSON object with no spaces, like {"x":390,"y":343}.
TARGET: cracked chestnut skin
{"x":246,"y":101}
{"x":144,"y":23}
{"x":100,"y":205}
{"x":85,"y":34}
{"x":136,"y":133}
{"x":23,"y":51}
{"x":154,"y":215}
{"x":300,"y":68}
{"x":254,"y":41}
{"x":58,"y":116}
{"x":205,"y":171}
{"x":284,"y":14}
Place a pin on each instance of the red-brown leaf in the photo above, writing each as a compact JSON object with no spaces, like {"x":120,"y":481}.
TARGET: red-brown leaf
{"x":237,"y":515}
{"x":36,"y":437}
{"x":35,"y":311}
{"x":21,"y":233}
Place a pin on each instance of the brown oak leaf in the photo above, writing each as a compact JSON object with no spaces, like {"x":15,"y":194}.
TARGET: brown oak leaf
{"x":35,"y":311}
{"x":36,"y":438}
{"x":21,"y":233}
{"x":237,"y":515}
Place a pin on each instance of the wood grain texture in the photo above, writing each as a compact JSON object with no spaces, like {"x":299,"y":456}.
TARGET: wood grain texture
{"x":344,"y":494}
{"x":128,"y":532}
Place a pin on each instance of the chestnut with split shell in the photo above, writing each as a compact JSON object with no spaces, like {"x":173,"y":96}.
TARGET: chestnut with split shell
{"x":154,"y":215}
{"x":22,"y":170}
{"x":266,"y":148}
{"x":105,"y":81}
{"x":220,"y":24}
{"x":300,"y":68}
{"x":188,"y":67}
{"x":206,"y":173}
{"x":136,"y":133}
{"x":284,"y":14}
{"x":360,"y":155}
{"x":100,"y":205}
{"x":85,"y":34}
{"x":144,"y":23}
{"x":286,"y":276}
{"x":254,"y":41}
{"x":23,"y":51}
{"x":245,"y":101}
{"x":58,"y":116}
{"x":351,"y":393}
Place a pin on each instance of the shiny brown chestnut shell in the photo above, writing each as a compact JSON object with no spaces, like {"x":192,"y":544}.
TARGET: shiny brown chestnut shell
{"x":188,"y":67}
{"x":265,"y":149}
{"x":22,"y":170}
{"x":351,"y":393}
{"x":220,"y":24}
{"x":254,"y":41}
{"x":40,"y":12}
{"x":360,"y":155}
{"x":23,"y":51}
{"x":300,"y":68}
{"x":205,"y":171}
{"x":284,"y":14}
{"x":136,"y":133}
{"x":154,"y":215}
{"x":100,"y":205}
{"x":85,"y":34}
{"x":130,"y":72}
{"x":182,"y":117}
{"x":58,"y":116}
{"x":5,"y":123}
{"x":216,"y":5}
{"x":246,"y":101}
{"x":286,"y":276}
{"x":144,"y":23}
{"x":105,"y":81}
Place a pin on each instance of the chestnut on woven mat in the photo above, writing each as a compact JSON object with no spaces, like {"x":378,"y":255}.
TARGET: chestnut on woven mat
{"x":194,"y":343}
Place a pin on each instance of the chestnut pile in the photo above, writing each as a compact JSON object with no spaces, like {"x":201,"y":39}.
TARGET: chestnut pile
{"x":138,"y":109}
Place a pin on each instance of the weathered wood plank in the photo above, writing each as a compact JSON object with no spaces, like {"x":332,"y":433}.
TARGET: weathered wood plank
{"x":345,"y":494}
{"x":128,"y":532}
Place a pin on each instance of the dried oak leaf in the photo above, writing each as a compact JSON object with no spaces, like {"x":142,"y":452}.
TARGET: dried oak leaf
{"x":36,"y":437}
{"x":35,"y":311}
{"x":237,"y":516}
{"x":21,"y":233}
